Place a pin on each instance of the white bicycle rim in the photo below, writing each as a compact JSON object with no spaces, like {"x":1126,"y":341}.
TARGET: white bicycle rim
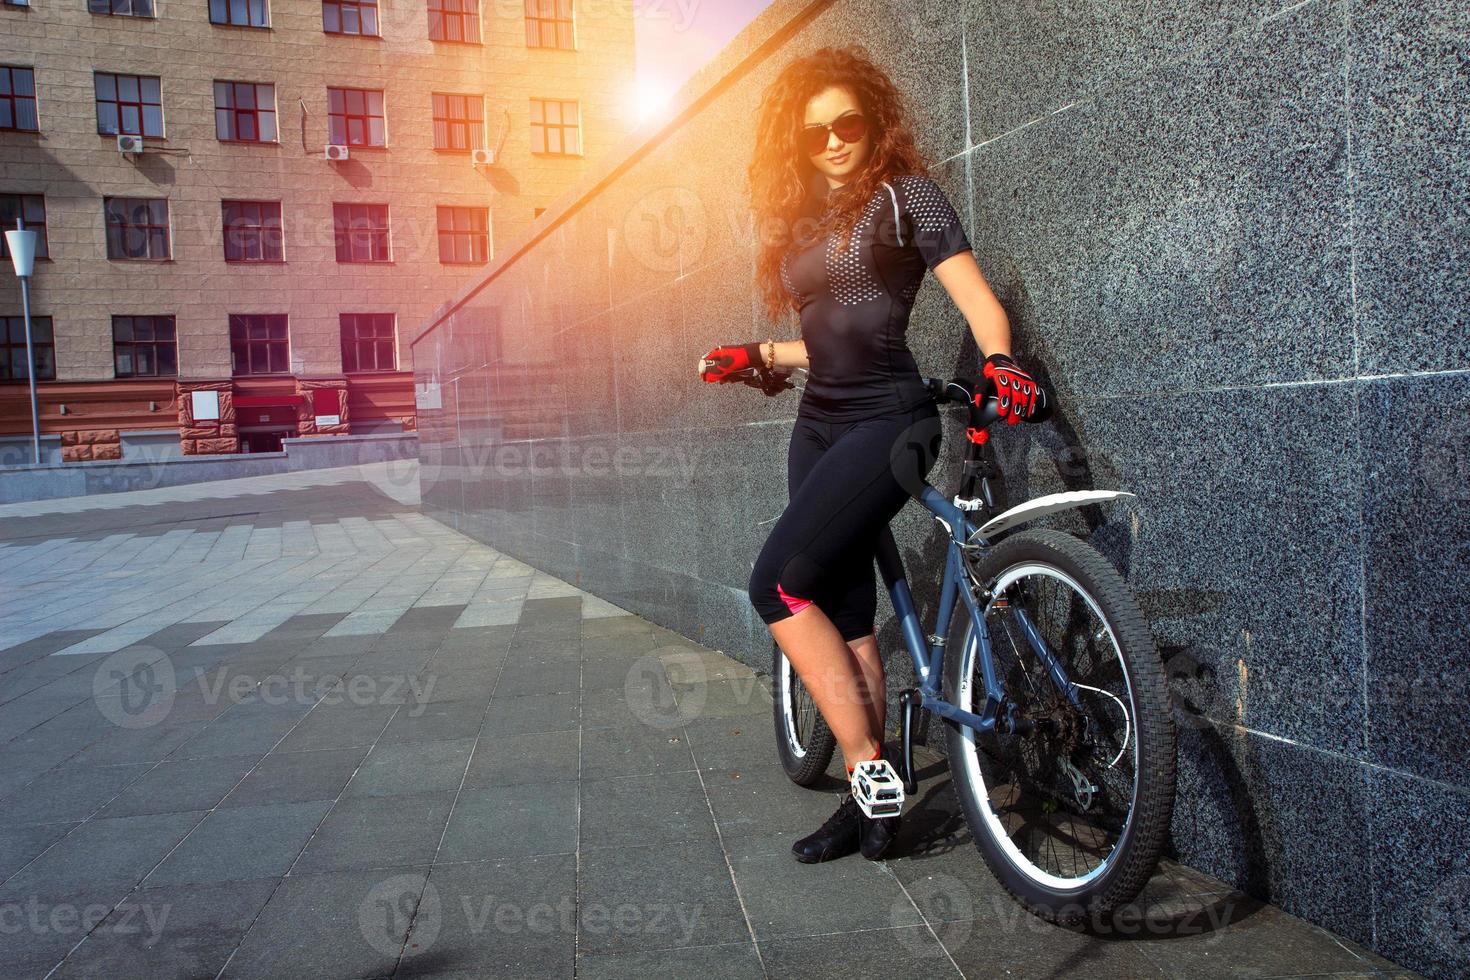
{"x":788,"y":705}
{"x":971,"y":761}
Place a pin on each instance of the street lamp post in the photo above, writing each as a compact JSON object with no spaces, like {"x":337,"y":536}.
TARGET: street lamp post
{"x":22,"y":245}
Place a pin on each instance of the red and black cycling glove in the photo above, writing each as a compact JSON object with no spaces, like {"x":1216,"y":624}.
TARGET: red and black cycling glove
{"x":722,"y":362}
{"x":1021,"y":397}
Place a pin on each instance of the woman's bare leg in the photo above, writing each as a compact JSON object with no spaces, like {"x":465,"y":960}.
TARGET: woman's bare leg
{"x":834,"y":675}
{"x":875,"y":694}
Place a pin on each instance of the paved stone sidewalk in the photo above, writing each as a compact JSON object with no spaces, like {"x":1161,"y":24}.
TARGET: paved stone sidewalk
{"x":289,"y":727}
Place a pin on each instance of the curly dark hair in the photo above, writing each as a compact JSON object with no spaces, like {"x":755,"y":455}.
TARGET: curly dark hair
{"x":780,"y":173}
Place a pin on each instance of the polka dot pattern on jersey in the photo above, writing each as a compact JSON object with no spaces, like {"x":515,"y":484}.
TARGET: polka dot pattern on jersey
{"x":848,"y":277}
{"x":926,"y":204}
{"x":786,"y":280}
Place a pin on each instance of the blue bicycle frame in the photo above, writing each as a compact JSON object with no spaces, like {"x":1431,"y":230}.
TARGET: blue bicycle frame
{"x":928,"y":653}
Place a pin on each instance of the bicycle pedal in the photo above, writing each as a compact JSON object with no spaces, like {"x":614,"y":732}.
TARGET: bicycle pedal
{"x":877,"y":788}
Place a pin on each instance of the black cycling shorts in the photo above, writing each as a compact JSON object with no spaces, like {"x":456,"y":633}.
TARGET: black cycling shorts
{"x":845,"y":481}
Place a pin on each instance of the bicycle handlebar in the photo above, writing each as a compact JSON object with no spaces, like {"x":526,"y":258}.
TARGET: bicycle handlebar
{"x":982,"y":415}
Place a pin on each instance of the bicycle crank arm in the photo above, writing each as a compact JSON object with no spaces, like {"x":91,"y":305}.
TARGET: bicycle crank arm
{"x":908,"y":707}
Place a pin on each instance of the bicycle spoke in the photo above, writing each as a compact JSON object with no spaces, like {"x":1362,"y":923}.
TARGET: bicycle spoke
{"x":1061,"y":788}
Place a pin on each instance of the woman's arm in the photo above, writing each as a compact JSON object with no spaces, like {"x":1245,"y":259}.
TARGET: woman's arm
{"x":791,"y":354}
{"x":961,"y":277}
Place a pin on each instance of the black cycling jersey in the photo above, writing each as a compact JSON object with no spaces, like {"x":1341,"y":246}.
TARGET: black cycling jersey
{"x":855,"y":303}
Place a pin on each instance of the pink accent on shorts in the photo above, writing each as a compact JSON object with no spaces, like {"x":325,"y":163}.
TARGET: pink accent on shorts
{"x":794,"y":604}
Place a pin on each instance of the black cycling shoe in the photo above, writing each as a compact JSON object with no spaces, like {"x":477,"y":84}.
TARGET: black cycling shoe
{"x":875,"y":834}
{"x":837,"y":837}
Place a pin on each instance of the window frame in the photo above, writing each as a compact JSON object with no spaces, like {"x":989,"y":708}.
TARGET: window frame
{"x":345,"y":118}
{"x":152,"y":14}
{"x":9,"y":347}
{"x":10,"y":96}
{"x":260,"y":231}
{"x":118,"y":104}
{"x":229,"y":7}
{"x":234,"y":112}
{"x":560,"y":127}
{"x":374,"y":342}
{"x":358,"y":5}
{"x":43,"y":246}
{"x":132,"y":344}
{"x":149,"y":227}
{"x":350,"y":230}
{"x":244,"y":321}
{"x":539,"y":22}
{"x":473,"y":128}
{"x":471,"y":234}
{"x":468,"y":12}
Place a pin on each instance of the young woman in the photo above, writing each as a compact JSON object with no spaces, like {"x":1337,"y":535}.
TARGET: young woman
{"x":849,"y":224}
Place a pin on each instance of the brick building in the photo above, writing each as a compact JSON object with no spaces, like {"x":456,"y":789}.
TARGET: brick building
{"x":227,"y":253}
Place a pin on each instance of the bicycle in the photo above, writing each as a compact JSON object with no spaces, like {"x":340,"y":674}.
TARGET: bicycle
{"x":1054,"y":701}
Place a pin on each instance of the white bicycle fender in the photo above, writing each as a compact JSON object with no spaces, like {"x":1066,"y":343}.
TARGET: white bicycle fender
{"x":1049,"y":504}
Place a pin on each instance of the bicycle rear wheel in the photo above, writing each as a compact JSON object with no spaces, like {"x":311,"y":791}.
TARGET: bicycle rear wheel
{"x":1070,"y":799}
{"x":803,"y":740}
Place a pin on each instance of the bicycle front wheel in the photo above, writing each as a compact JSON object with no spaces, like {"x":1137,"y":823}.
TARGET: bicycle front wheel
{"x":1070,"y":798}
{"x":803,"y":740}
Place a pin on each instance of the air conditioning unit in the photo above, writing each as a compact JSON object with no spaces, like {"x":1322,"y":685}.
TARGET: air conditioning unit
{"x":483,"y":158}
{"x":129,"y":143}
{"x":336,"y":151}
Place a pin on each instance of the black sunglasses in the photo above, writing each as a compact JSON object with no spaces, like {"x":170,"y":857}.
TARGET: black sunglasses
{"x":849,"y":128}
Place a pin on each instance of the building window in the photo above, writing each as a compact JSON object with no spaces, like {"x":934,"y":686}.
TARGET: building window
{"x":367,"y":342}
{"x":17,"y":98}
{"x":355,"y":117}
{"x":122,"y":8}
{"x":129,"y":104}
{"x":464,"y":235}
{"x":362,"y":232}
{"x":459,"y":121}
{"x":31,"y":208}
{"x":454,"y":20}
{"x":137,"y":227}
{"x":253,"y":231}
{"x":240,"y":13}
{"x":13,"y":350}
{"x":144,"y":347}
{"x":549,"y":24}
{"x":350,"y":17}
{"x":259,"y":343}
{"x":245,"y":112}
{"x":555,"y":128}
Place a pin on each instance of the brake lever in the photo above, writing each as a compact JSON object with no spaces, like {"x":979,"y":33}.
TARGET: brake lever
{"x":768,"y":382}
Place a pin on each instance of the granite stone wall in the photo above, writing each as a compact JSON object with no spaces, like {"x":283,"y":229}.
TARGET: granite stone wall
{"x":1235,"y":236}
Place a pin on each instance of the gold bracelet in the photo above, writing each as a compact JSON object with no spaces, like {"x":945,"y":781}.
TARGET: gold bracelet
{"x":770,"y":354}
